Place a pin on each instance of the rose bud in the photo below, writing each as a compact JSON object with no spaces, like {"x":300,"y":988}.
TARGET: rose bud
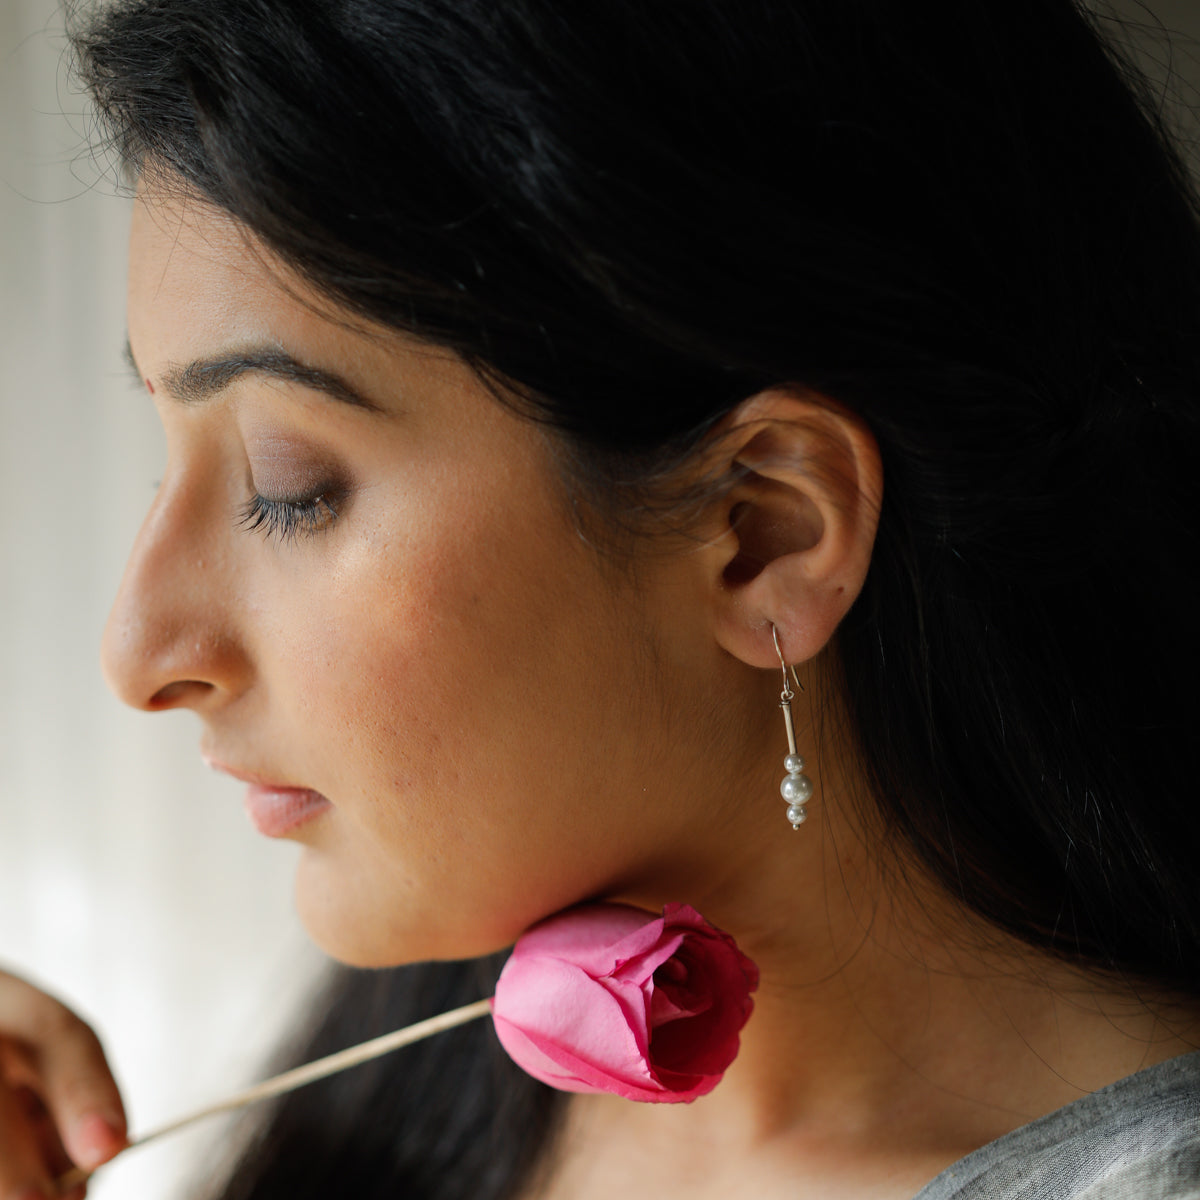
{"x":608,"y":998}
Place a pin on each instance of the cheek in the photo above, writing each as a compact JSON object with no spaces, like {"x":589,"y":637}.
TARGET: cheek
{"x":420,"y":640}
{"x":440,"y":668}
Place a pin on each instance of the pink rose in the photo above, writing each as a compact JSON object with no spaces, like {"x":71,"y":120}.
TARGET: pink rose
{"x":607,"y":998}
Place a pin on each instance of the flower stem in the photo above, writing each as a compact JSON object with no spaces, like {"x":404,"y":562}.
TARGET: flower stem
{"x":309,"y":1073}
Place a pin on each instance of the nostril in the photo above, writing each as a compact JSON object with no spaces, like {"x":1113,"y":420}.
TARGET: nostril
{"x":178,"y":693}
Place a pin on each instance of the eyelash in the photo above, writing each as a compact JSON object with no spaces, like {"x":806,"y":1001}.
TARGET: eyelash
{"x":286,"y":519}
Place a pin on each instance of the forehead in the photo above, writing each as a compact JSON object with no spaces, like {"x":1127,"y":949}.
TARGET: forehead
{"x":197,"y":279}
{"x":204,"y":293}
{"x":201,"y":285}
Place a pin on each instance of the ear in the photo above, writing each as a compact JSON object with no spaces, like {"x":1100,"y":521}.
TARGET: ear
{"x":797,"y":529}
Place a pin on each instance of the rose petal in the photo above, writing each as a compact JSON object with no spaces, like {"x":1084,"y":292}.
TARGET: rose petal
{"x":639,"y":955}
{"x":591,"y":935}
{"x":675,"y":1088}
{"x":685,"y":1088}
{"x":665,"y":1008}
{"x":585,"y":1076}
{"x":706,"y":1040}
{"x":557,"y":1070}
{"x":610,"y":998}
{"x":557,"y":1004}
{"x":635,"y":1005}
{"x":683,"y":916}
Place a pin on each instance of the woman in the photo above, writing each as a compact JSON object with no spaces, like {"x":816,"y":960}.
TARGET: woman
{"x":538,"y":382}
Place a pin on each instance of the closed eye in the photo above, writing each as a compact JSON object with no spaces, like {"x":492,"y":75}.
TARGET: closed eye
{"x":288,"y":519}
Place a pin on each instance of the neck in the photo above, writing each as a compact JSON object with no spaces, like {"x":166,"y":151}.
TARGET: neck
{"x":891,"y":1026}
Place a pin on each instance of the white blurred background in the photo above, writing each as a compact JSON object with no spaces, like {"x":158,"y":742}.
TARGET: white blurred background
{"x":130,"y":882}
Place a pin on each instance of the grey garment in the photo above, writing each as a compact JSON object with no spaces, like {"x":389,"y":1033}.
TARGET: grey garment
{"x":1138,"y":1139}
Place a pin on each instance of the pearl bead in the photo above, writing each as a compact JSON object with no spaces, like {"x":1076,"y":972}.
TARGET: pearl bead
{"x":797,"y":814}
{"x":793,"y":764}
{"x":796,"y":788}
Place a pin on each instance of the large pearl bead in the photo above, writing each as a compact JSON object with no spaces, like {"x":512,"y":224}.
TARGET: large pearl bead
{"x":797,"y":814}
{"x":795,"y":789}
{"x":793,"y":764}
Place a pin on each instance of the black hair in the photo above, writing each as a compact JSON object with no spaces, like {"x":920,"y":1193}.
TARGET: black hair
{"x":453,"y":1118}
{"x":962,"y":219}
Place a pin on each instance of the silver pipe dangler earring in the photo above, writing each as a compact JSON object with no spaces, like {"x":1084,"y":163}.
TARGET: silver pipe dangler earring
{"x":796,"y":787}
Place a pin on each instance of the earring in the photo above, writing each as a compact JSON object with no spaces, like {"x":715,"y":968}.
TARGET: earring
{"x":796,"y":787}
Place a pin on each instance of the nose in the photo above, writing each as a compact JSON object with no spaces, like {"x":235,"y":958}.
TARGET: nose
{"x":171,"y":639}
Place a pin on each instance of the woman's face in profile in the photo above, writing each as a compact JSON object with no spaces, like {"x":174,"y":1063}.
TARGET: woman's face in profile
{"x":361,"y":571}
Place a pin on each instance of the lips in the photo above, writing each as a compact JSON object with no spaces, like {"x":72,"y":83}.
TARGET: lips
{"x":275,"y":809}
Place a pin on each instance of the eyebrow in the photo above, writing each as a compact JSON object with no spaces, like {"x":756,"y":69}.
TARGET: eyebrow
{"x":203,"y":378}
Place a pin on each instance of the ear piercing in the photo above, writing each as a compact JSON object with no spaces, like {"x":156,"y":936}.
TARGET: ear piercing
{"x":796,"y":787}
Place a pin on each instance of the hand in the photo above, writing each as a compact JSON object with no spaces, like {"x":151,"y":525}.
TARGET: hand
{"x":59,"y":1104}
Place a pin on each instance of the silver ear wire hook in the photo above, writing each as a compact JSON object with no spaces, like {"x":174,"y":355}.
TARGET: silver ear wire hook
{"x":787,"y":693}
{"x":786,"y":696}
{"x":796,"y":787}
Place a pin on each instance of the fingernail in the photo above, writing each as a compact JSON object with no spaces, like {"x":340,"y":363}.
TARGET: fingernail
{"x":96,"y":1140}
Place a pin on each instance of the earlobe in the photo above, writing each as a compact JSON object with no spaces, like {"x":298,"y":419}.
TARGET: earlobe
{"x":801,"y":524}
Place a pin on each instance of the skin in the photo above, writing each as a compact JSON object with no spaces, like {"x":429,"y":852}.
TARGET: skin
{"x":508,"y":720}
{"x":58,"y":1102}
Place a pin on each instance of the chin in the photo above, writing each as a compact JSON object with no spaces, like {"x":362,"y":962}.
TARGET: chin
{"x":357,"y":931}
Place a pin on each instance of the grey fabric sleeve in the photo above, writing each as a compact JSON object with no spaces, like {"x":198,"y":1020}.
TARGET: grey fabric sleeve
{"x":1138,"y":1139}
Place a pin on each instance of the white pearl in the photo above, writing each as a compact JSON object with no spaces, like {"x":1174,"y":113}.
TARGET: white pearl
{"x":793,"y":764}
{"x":796,"y":788}
{"x":797,"y":814}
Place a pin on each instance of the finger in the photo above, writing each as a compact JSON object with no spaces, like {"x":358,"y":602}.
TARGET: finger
{"x":16,"y":1064}
{"x":51,"y":1151}
{"x":71,"y":1183}
{"x":23,"y":1174}
{"x":78,"y":1089}
{"x":73,"y":1076}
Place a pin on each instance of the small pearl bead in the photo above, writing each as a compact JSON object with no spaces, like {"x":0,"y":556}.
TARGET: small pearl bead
{"x":793,"y":764}
{"x":797,"y":814}
{"x":796,"y":788}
